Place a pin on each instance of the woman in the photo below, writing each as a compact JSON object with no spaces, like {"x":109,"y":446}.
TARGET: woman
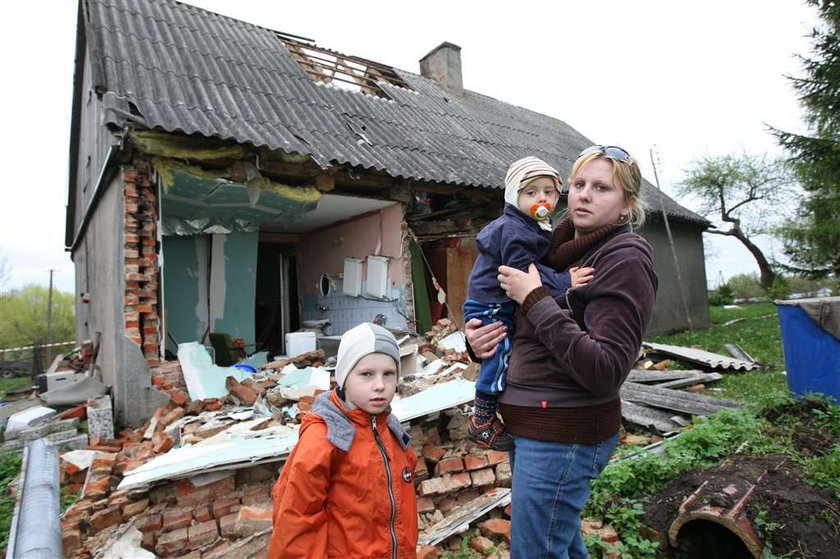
{"x":571,"y":354}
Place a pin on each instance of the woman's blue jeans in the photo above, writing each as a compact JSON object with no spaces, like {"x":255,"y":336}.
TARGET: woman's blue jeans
{"x":549,"y":490}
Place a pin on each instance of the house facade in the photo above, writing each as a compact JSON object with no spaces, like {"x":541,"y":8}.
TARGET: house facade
{"x":227,"y":178}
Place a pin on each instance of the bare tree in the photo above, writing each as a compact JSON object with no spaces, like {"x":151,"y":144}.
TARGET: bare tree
{"x":745,"y":194}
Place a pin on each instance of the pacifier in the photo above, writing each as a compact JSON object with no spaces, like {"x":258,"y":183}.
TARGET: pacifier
{"x":540,"y":211}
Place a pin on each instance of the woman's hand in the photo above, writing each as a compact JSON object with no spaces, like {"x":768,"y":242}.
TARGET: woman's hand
{"x":484,"y":339}
{"x":517,"y":284}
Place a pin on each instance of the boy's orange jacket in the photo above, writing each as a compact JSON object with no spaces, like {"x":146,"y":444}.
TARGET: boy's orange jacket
{"x":336,"y":497}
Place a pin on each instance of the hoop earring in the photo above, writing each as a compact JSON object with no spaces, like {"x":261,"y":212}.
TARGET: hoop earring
{"x":623,"y":219}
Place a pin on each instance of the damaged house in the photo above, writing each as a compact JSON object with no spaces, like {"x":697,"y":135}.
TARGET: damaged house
{"x":234,"y":180}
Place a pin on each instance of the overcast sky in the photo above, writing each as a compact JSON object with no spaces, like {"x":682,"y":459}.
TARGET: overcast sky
{"x":689,"y":79}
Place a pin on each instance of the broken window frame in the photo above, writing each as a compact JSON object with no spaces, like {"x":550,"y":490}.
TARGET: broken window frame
{"x":328,"y":67}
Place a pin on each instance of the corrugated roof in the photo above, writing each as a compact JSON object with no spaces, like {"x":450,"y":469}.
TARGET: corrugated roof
{"x":170,"y":66}
{"x":702,"y":357}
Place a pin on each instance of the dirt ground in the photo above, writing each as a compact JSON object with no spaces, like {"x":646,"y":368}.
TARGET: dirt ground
{"x":787,"y":513}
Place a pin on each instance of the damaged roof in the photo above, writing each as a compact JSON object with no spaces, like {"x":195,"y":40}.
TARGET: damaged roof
{"x":166,"y":65}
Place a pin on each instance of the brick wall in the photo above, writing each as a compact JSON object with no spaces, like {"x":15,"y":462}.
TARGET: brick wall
{"x":142,"y":319}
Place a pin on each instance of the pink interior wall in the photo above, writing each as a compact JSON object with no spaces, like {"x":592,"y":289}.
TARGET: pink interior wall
{"x":324,"y":252}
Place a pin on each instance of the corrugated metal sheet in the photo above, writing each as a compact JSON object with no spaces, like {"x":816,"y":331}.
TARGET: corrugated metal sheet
{"x":701,"y":357}
{"x":174,"y":67}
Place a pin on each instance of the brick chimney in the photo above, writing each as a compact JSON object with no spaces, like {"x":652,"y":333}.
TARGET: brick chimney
{"x":443,"y":65}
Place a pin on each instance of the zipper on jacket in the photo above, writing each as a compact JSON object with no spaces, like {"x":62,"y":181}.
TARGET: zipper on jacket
{"x":391,"y":497}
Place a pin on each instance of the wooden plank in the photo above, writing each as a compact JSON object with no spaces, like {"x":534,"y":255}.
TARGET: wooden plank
{"x":637,"y":375}
{"x":650,"y":418}
{"x":676,"y":400}
{"x":688,"y":381}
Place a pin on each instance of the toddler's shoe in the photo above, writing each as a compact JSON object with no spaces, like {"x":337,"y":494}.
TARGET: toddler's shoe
{"x":491,"y":434}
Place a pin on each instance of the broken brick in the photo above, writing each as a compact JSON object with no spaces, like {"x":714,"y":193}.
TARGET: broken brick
{"x":449,"y":465}
{"x":253,"y":519}
{"x":188,"y":494}
{"x":162,"y":442}
{"x":175,"y":518}
{"x":173,"y":542}
{"x":227,"y":525}
{"x":224,"y":506}
{"x":481,"y":478}
{"x":135,"y":508}
{"x":476,"y":462}
{"x":150,"y":523}
{"x":425,"y":504}
{"x":105,"y":518}
{"x":202,"y":534}
{"x":433,"y":453}
{"x":495,"y":527}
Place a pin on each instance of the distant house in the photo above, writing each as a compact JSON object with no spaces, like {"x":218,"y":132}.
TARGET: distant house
{"x":229,"y":178}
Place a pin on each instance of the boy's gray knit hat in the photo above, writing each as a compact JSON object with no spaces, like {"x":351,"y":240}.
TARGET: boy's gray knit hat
{"x":364,"y":339}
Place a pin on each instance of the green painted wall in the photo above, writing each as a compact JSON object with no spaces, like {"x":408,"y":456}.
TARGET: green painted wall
{"x":181,"y":288}
{"x":240,"y":285}
{"x":209,"y":277}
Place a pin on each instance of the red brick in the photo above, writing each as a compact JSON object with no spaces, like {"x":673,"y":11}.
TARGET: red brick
{"x":202,"y":534}
{"x":105,"y":518}
{"x":224,"y":506}
{"x":103,"y":463}
{"x":150,"y":523}
{"x":161,"y":442}
{"x":227,"y":525}
{"x":71,"y":540}
{"x":189,"y":495}
{"x":480,"y":478}
{"x":449,"y":465}
{"x":212,"y":404}
{"x":173,"y":542}
{"x":176,"y":518}
{"x":251,"y":520}
{"x":255,"y":386}
{"x":241,"y":392}
{"x":447,"y":504}
{"x":481,"y":544}
{"x":432,"y":486}
{"x":135,"y":508}
{"x":495,"y":527}
{"x":476,"y":462}
{"x":118,"y":498}
{"x":467,"y":496}
{"x":421,"y":472}
{"x":429,"y":552}
{"x":149,"y":540}
{"x":171,"y":417}
{"x":97,"y":488}
{"x":457,"y":481}
{"x":425,"y":504}
{"x":202,"y":513}
{"x":497,"y":457}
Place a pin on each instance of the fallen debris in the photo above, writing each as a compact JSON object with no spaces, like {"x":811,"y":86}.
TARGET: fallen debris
{"x":700,"y":357}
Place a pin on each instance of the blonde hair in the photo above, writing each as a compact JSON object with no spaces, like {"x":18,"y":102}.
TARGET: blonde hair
{"x":627,"y":174}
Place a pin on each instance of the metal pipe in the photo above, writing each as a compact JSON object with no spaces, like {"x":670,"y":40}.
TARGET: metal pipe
{"x":36,"y":528}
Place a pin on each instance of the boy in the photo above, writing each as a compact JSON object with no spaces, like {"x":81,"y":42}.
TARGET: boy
{"x":519,"y":237}
{"x":347,"y":489}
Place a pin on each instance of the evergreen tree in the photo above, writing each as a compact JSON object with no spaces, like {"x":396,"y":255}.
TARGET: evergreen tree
{"x":812,"y":238}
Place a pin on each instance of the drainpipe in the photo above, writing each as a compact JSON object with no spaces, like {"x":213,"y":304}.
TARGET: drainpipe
{"x":36,"y":531}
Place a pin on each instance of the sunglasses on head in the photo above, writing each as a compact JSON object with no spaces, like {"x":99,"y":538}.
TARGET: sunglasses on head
{"x":613,"y":152}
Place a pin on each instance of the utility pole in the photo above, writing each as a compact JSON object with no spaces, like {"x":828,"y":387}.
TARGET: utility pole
{"x":49,"y":309}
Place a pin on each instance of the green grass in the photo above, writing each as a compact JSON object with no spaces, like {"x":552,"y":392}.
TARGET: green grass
{"x":757,"y":334}
{"x":9,"y":469}
{"x":8,"y":384}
